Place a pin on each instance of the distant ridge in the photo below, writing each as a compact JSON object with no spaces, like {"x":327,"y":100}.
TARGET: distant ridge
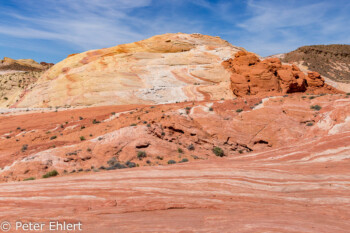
{"x":331,"y":61}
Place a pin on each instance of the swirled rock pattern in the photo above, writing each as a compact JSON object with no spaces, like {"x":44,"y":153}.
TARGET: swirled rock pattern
{"x":162,"y":69}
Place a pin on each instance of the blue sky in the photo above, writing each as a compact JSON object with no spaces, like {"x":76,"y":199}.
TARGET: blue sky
{"x":49,"y":30}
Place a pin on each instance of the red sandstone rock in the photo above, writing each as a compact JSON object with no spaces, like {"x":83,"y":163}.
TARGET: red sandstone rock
{"x":250,"y":76}
{"x":291,"y":189}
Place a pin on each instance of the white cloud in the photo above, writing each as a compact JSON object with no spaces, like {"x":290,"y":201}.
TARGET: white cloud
{"x":281,"y":26}
{"x":85,"y":23}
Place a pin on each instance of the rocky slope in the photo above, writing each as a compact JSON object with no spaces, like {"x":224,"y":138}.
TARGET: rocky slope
{"x":95,"y":139}
{"x":16,"y":76}
{"x":301,"y":186}
{"x":331,"y":61}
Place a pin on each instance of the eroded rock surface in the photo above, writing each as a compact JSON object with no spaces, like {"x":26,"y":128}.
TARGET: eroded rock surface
{"x":74,"y":141}
{"x":162,"y":69}
{"x":251,"y":76}
{"x":297,"y":188}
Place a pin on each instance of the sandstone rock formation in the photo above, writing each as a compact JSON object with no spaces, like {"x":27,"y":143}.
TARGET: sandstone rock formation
{"x":275,"y":160}
{"x":81,"y":140}
{"x":162,"y":69}
{"x":301,"y":187}
{"x":251,"y":76}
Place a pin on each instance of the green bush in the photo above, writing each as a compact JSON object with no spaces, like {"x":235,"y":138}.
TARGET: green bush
{"x":171,"y":161}
{"x":141,"y":155}
{"x":53,"y":137}
{"x":24,"y":147}
{"x":50,"y":174}
{"x":239,"y":110}
{"x":180,"y":150}
{"x":30,"y":178}
{"x":310,"y":124}
{"x":95,"y":121}
{"x":82,"y":138}
{"x":218,"y":151}
{"x":184,"y":160}
{"x":316,"y":107}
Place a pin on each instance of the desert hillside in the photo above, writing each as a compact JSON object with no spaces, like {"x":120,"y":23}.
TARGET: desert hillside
{"x":175,"y":133}
{"x":331,"y":61}
{"x":16,"y":76}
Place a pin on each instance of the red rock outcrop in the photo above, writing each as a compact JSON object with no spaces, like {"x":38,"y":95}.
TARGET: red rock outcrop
{"x":251,"y":76}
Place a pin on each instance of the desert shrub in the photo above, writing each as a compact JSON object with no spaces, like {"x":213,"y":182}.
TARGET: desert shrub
{"x":82,"y":127}
{"x":159,"y":157}
{"x":82,"y":138}
{"x":184,"y":160}
{"x":88,"y":150}
{"x":50,"y":174}
{"x":130,"y":164}
{"x":24,"y":147}
{"x":81,"y":118}
{"x":190,"y":147}
{"x":141,"y":155}
{"x":180,"y":150}
{"x":171,"y":161}
{"x":195,"y":156}
{"x":117,"y":165}
{"x":348,"y":93}
{"x":30,"y":178}
{"x":218,"y":151}
{"x":53,"y":137}
{"x":133,"y":124}
{"x":112,"y":161}
{"x":94,"y":121}
{"x":312,"y":97}
{"x":310,"y":124}
{"x":211,"y":109}
{"x":316,"y":107}
{"x":239,"y":110}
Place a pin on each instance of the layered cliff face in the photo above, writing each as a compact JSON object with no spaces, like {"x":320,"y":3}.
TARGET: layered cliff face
{"x":331,"y":61}
{"x":251,"y":76}
{"x":162,"y":69}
